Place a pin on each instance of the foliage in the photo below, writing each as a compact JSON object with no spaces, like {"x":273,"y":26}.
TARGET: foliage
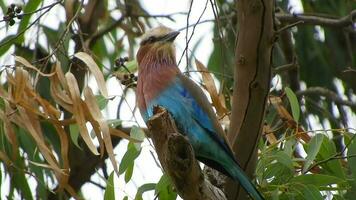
{"x":46,"y":103}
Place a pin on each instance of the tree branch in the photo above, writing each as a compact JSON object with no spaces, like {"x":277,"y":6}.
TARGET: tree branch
{"x":178,"y":161}
{"x":327,"y":94}
{"x":252,"y":73}
{"x":318,"y":20}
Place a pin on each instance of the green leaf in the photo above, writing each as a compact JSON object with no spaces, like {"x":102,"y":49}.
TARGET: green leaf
{"x":138,"y":134}
{"x":129,"y":172}
{"x":128,"y":159}
{"x":6,"y":47}
{"x":293,"y":100}
{"x":164,"y":188}
{"x":351,"y":152}
{"x":144,"y":188}
{"x":316,"y":179}
{"x":311,"y":192}
{"x":312,"y":150}
{"x":101,"y":101}
{"x":114,"y":122}
{"x":74,"y":134}
{"x":284,"y":159}
{"x":20,"y":181}
{"x":110,"y":188}
{"x":327,"y":151}
{"x":30,"y":6}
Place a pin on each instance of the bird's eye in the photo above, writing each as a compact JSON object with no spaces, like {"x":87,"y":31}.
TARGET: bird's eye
{"x":151,"y":39}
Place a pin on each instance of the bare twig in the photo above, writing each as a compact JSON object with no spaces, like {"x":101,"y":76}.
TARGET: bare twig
{"x":285,"y":67}
{"x":314,"y":19}
{"x":92,"y":39}
{"x":327,"y":94}
{"x":191,"y":35}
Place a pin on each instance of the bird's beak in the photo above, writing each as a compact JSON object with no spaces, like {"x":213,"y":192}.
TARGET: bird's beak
{"x":170,"y":37}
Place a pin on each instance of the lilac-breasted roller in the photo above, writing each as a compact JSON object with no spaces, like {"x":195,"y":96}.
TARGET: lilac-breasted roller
{"x":161,"y":83}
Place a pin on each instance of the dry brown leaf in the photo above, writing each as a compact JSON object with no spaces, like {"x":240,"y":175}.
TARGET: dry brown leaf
{"x":20,"y":83}
{"x":9,"y":131}
{"x":60,"y":75}
{"x":210,"y":87}
{"x":268,"y":133}
{"x":96,"y":127}
{"x":96,"y":114}
{"x":27,"y":64}
{"x":285,"y":115}
{"x":64,"y":153}
{"x":59,"y":96}
{"x":5,"y":158}
{"x":46,"y":152}
{"x":94,"y":69}
{"x":78,"y":111}
{"x":119,"y":133}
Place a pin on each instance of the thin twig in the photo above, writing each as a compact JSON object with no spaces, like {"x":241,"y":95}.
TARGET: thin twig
{"x":326,"y":93}
{"x":284,"y":68}
{"x":314,"y":19}
{"x":289,"y":26}
{"x":191,"y":35}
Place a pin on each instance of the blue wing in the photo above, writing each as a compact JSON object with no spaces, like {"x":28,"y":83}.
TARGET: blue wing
{"x":190,"y":118}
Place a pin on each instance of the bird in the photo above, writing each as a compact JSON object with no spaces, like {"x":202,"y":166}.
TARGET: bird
{"x":160,"y":83}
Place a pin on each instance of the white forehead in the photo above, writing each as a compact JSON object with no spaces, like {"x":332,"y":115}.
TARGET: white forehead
{"x":158,"y":31}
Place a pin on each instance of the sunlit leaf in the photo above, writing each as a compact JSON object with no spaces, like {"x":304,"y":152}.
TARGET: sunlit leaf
{"x":95,"y":70}
{"x":138,"y":134}
{"x":129,"y":157}
{"x":101,"y":101}
{"x":164,"y":188}
{"x":129,"y":172}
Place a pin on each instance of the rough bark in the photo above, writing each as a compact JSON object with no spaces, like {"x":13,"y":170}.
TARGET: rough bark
{"x":177,"y":158}
{"x":252,"y":83}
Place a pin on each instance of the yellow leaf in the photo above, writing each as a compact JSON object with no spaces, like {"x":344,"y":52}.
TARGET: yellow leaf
{"x":94,"y":69}
{"x":27,"y":64}
{"x":210,"y":87}
{"x":78,"y":111}
{"x":46,"y":152}
{"x":96,"y":114}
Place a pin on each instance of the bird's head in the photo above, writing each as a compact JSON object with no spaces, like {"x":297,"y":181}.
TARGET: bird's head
{"x":157,"y":46}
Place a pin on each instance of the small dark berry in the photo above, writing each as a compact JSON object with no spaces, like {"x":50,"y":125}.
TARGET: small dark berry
{"x":13,"y":6}
{"x":126,"y":59}
{"x":117,"y":63}
{"x":11,"y":15}
{"x":18,"y":9}
{"x":135,"y":78}
{"x":6,"y":18}
{"x":132,"y":75}
{"x":126,"y":76}
{"x":11,"y":22}
{"x":9,"y":10}
{"x":19,"y":16}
